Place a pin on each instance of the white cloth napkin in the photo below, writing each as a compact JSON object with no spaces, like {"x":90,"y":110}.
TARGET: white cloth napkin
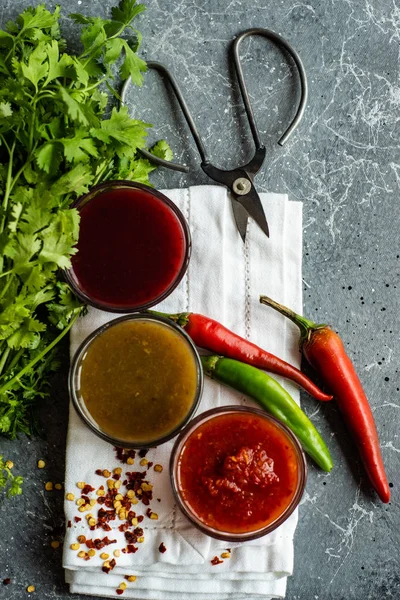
{"x":224,"y":281}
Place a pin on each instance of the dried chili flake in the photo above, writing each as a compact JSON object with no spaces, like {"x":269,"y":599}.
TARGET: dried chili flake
{"x":138,"y":531}
{"x":106,"y":569}
{"x":101,"y":500}
{"x":7,"y":581}
{"x":87,"y":489}
{"x":123,"y":454}
{"x":69,"y":524}
{"x":116,"y":476}
{"x":149,"y":465}
{"x":107,"y":541}
{"x":119,"y":591}
{"x":113,"y":563}
{"x":216,"y":561}
{"x":162,"y":548}
{"x":131,"y":549}
{"x":98,"y":472}
{"x":148,"y":513}
{"x":143,"y":452}
{"x":106,"y":527}
{"x":77,"y":519}
{"x":140,"y":518}
{"x":123,"y":527}
{"x":130,"y":537}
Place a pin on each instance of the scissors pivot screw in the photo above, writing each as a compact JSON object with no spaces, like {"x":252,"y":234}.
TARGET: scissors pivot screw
{"x":241,"y":186}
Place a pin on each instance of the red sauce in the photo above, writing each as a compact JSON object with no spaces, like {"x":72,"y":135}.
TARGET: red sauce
{"x":131,"y":248}
{"x":238,"y":472}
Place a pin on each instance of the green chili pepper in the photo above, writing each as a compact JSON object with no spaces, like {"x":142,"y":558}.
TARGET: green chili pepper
{"x":274,"y":398}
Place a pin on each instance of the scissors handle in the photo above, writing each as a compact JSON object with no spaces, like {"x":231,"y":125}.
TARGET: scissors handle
{"x":282,"y":43}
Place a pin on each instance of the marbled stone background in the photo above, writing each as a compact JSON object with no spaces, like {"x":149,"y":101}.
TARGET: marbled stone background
{"x":344,"y":164}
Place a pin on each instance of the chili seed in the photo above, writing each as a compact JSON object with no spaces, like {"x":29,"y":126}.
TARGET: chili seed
{"x":140,"y":540}
{"x":9,"y":464}
{"x":225,"y":555}
{"x":104,"y":556}
{"x":158,"y":468}
{"x":55,"y":544}
{"x":70,"y":496}
{"x":80,"y":501}
{"x":92,"y":552}
{"x":106,"y":473}
{"x":117,"y":471}
{"x":41,"y":464}
{"x":82,"y":554}
{"x":92,"y":502}
{"x":134,"y":521}
{"x":75,"y":546}
{"x":117,"y":553}
{"x":30,"y":589}
{"x":81,"y":485}
{"x":81,"y":539}
{"x":143,"y":462}
{"x":110,"y":484}
{"x":101,"y":493}
{"x":91,"y":522}
{"x":122,"y":585}
{"x":130,"y":577}
{"x":130,"y":461}
{"x":58,"y":486}
{"x":48,"y":486}
{"x":154,"y":516}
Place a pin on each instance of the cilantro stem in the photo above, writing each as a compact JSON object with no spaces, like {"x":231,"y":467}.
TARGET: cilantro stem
{"x":39,"y":357}
{"x":8,"y":183}
{"x":16,"y":358}
{"x":4,"y":357}
{"x":5,"y":288}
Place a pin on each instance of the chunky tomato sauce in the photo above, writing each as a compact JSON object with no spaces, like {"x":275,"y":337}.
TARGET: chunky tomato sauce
{"x":131,"y":248}
{"x":238,"y":472}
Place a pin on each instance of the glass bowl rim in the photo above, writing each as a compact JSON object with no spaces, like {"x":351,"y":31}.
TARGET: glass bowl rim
{"x":76,"y":361}
{"x":245,"y":536}
{"x":115,"y":183}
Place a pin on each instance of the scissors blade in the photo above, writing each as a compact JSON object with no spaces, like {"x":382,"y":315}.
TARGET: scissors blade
{"x":241,"y":217}
{"x":252,"y":203}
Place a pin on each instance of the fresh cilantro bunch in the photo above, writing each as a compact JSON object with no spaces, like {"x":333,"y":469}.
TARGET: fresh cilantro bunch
{"x":58,"y":137}
{"x":9,"y":482}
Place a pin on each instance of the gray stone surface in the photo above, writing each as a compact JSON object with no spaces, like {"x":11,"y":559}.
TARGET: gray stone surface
{"x":344,"y":164}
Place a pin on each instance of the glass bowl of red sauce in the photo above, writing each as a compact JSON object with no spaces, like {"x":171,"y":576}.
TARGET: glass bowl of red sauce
{"x":133,"y":248}
{"x":237,"y":473}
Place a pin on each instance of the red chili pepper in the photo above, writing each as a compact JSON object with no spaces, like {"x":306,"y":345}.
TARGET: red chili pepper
{"x":325,"y":351}
{"x":211,"y":335}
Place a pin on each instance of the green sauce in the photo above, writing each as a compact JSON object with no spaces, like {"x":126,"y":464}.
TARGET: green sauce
{"x":138,"y":380}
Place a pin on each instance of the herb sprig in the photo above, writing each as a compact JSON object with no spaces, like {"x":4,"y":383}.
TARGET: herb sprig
{"x":10,"y":483}
{"x":58,"y":137}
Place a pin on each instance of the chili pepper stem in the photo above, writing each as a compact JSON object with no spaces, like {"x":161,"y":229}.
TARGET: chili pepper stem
{"x":180,"y":319}
{"x":305,"y":325}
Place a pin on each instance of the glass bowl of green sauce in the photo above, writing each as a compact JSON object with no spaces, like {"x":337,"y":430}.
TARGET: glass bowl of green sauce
{"x":136,"y":381}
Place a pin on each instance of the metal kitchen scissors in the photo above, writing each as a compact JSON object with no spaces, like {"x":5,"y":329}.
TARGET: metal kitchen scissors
{"x":240,"y":181}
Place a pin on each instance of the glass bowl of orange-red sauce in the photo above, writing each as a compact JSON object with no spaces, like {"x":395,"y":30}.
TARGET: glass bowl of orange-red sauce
{"x":237,"y":473}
